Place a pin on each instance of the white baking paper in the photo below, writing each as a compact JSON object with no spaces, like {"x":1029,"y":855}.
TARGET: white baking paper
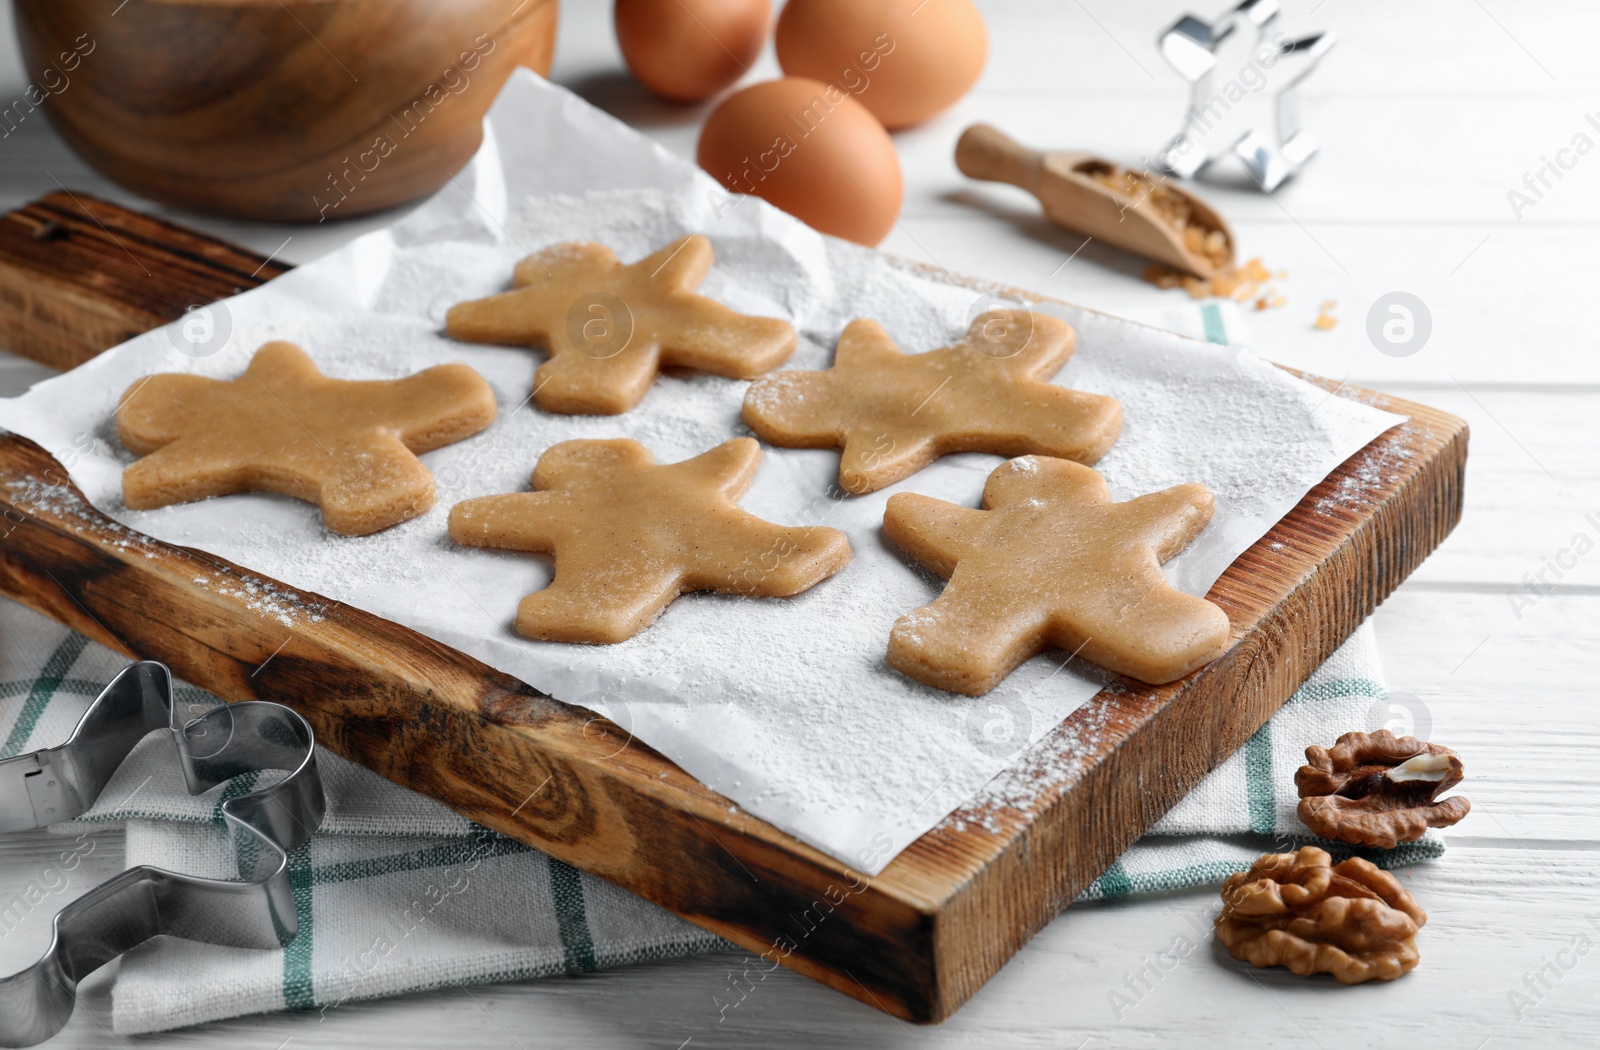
{"x":785,"y":706}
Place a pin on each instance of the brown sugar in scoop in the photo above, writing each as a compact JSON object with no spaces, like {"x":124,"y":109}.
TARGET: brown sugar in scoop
{"x":1137,"y":211}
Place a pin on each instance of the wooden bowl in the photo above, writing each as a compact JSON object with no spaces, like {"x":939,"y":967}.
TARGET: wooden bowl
{"x":296,"y":111}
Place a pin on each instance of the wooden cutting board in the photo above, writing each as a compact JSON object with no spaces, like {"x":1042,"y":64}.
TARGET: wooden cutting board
{"x":78,"y":275}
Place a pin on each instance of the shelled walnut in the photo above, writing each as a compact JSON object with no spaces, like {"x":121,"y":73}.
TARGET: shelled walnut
{"x":1352,"y":920}
{"x":1377,"y":789}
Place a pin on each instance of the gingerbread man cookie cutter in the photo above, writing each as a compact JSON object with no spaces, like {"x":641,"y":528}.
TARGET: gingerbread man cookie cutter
{"x":1272,"y":155}
{"x":62,"y":782}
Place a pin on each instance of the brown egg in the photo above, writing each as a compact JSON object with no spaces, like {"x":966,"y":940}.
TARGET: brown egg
{"x":689,"y":50}
{"x":810,"y":149}
{"x":901,"y":59}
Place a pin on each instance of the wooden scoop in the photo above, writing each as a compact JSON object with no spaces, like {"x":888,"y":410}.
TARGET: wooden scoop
{"x":1138,"y":218}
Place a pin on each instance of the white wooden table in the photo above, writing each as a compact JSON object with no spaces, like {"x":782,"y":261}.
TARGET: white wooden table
{"x":1430,"y":112}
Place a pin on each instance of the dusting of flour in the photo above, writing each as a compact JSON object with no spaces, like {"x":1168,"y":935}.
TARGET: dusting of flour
{"x":785,"y":705}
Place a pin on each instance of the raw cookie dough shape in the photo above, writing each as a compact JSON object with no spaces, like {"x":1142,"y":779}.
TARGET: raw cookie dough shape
{"x":609,"y":328}
{"x":1051,"y":561}
{"x":895,"y":413}
{"x":629,"y":535}
{"x":349,"y":446}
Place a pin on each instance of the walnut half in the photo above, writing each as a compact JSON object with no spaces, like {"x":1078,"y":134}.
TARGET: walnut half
{"x":1378,"y":789}
{"x":1299,"y":910}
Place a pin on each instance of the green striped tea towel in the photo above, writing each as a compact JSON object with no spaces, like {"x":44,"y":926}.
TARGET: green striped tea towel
{"x":1214,"y":320}
{"x":397,"y":894}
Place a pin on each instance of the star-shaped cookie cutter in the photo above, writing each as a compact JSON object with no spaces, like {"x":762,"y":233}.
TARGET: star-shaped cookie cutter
{"x":61,"y":782}
{"x":1190,"y":46}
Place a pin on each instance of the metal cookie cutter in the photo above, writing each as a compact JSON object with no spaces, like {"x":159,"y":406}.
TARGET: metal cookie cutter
{"x":1273,"y":155}
{"x":58,"y":783}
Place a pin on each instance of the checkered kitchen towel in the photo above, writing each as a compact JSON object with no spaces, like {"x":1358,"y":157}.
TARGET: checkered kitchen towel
{"x":398,"y":894}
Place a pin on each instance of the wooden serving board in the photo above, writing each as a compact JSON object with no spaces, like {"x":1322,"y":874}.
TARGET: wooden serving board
{"x":78,"y":275}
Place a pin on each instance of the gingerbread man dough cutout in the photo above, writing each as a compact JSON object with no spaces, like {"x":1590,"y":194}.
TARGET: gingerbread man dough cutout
{"x":609,"y":328}
{"x":629,"y":535}
{"x":895,"y":413}
{"x":1051,"y":561}
{"x":349,"y":446}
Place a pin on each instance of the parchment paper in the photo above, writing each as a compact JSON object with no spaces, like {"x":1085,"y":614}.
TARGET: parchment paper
{"x":785,"y":706}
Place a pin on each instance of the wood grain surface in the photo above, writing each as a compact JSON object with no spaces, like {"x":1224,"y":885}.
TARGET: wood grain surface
{"x":916,"y":940}
{"x":1065,"y":184}
{"x":71,"y":285}
{"x":305,"y":110}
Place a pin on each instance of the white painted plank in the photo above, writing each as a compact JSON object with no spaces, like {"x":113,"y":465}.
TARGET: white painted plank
{"x":1422,"y":157}
{"x":1433,"y":46}
{"x":41,"y":873}
{"x":1512,"y":694}
{"x":1084,"y":49}
{"x":1442,"y":148}
{"x":1532,"y":490}
{"x":1500,"y":311}
{"x":1401,"y":139}
{"x":1407,"y":158}
{"x":1056,"y":994}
